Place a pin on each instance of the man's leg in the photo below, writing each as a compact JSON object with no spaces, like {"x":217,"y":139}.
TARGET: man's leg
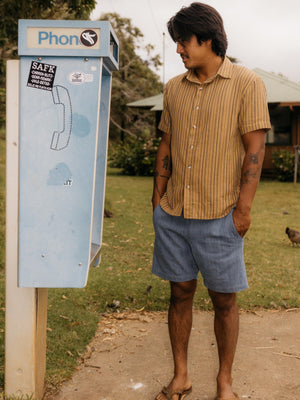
{"x":226,"y":331}
{"x":180,"y":324}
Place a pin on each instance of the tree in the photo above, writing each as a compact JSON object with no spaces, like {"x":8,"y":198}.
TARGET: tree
{"x":13,"y":10}
{"x":134,"y":80}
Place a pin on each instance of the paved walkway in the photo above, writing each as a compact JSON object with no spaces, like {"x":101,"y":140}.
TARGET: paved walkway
{"x":130,"y":358}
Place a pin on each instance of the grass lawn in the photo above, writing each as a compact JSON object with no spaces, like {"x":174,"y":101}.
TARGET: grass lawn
{"x":125,"y":271}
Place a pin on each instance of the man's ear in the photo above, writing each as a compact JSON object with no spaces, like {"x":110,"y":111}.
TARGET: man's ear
{"x":207,"y":43}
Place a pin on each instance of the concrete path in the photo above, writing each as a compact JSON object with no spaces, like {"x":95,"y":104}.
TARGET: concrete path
{"x":130,"y":358}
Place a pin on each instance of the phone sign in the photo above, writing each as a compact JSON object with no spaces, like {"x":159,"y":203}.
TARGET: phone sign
{"x":63,"y":38}
{"x":41,"y":75}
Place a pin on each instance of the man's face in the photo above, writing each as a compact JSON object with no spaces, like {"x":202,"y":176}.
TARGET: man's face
{"x":192,"y":53}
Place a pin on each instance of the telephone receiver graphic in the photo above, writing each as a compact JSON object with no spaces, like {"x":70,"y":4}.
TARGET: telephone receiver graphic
{"x":61,"y":97}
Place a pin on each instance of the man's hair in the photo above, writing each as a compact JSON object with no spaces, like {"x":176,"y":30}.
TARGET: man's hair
{"x":200,"y":20}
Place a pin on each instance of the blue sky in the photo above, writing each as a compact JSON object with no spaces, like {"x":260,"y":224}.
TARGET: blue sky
{"x":261,"y":33}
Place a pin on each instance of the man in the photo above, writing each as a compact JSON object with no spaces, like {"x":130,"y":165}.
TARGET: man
{"x":208,"y":167}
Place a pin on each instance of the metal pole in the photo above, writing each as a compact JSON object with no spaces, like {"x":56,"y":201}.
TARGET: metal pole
{"x":25,"y":308}
{"x":296,"y":164}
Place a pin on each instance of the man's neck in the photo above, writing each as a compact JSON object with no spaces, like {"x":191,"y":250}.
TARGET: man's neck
{"x":209,"y":69}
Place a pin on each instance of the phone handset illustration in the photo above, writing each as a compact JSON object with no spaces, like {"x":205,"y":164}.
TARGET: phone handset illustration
{"x":60,"y":139}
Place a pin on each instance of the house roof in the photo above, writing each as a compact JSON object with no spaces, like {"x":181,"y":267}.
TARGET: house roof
{"x":279,"y":90}
{"x":149,"y":102}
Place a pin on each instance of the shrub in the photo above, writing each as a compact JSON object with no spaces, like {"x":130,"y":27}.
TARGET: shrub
{"x":2,"y":107}
{"x":284,"y":164}
{"x":135,"y":157}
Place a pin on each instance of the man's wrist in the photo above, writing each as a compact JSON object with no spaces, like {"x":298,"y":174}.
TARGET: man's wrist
{"x":155,"y":201}
{"x":243,"y":208}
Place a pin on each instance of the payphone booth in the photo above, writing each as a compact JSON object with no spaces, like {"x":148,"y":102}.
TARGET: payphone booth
{"x":65,"y":84}
{"x":58,"y":106}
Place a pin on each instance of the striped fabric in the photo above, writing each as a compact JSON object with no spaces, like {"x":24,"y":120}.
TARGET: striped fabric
{"x":207,"y":121}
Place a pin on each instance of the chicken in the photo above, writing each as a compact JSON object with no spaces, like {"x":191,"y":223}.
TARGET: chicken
{"x":293,"y":235}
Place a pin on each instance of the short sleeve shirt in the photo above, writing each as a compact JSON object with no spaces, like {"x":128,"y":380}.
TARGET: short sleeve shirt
{"x":206,"y":122}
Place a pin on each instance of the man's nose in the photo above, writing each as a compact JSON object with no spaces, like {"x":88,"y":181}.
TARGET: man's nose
{"x":179,"y":49}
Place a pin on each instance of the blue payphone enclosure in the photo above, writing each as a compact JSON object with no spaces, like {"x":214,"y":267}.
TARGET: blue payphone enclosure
{"x":65,"y":86}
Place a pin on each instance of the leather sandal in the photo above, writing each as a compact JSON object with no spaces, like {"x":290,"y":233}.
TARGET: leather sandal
{"x":181,"y":393}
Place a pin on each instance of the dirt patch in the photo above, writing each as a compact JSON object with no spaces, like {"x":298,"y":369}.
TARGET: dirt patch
{"x":130,"y":358}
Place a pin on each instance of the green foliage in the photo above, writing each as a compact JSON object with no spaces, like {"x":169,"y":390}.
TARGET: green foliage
{"x":21,"y":397}
{"x":134,"y":157}
{"x":71,"y":325}
{"x":284,"y":164}
{"x":2,"y":107}
{"x":13,"y":10}
{"x":135,"y":80}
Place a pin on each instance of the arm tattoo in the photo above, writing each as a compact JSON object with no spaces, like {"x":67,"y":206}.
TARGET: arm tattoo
{"x":156,"y":175}
{"x":253,"y":158}
{"x":251,"y":173}
{"x":166,"y":163}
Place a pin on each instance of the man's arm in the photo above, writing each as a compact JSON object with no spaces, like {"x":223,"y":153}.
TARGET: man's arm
{"x":254,"y":143}
{"x":162,"y":169}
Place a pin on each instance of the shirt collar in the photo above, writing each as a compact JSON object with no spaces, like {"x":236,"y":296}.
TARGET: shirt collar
{"x":225,"y":71}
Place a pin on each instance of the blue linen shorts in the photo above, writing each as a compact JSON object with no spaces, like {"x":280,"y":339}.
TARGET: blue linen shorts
{"x":184,"y":247}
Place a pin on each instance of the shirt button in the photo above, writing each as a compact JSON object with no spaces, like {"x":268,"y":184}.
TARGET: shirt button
{"x":187,"y":186}
{"x":192,"y":146}
{"x":201,"y":88}
{"x":194,"y":126}
{"x":197,"y":108}
{"x":189,"y":167}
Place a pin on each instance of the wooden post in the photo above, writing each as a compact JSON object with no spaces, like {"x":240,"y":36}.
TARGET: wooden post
{"x":26,"y":308}
{"x":296,"y":164}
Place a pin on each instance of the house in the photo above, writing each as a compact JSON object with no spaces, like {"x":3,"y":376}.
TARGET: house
{"x":153,"y":103}
{"x":284,"y":107}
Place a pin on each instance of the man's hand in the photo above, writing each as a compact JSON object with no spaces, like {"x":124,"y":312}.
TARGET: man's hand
{"x":242,"y":221}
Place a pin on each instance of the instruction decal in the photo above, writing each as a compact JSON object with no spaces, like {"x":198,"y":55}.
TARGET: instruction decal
{"x":77,"y":78}
{"x":41,"y":76}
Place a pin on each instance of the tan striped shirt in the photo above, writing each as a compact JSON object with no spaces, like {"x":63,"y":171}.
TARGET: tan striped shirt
{"x":207,"y":121}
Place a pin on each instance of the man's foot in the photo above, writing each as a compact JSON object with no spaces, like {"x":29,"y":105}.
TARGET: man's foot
{"x":177,"y":390}
{"x":167,"y":394}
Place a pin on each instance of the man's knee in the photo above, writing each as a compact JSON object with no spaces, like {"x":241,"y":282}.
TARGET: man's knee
{"x":183,"y":291}
{"x":223,"y":302}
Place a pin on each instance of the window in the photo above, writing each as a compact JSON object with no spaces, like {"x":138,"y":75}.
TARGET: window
{"x":281,"y":121}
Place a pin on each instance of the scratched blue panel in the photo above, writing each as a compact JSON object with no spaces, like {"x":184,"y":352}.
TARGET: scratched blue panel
{"x":58,"y":131}
{"x":101,"y":157}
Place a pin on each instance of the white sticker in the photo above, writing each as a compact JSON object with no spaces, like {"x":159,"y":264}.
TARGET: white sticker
{"x":77,"y":78}
{"x":88,"y":77}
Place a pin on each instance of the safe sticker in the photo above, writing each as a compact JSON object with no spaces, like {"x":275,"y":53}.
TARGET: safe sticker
{"x":41,"y":75}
